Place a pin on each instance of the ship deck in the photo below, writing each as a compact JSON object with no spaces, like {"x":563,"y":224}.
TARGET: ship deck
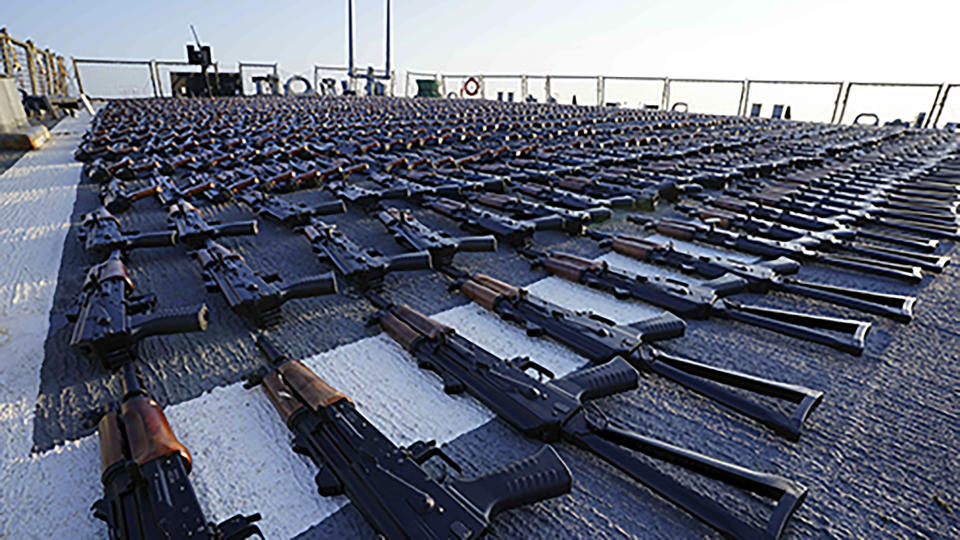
{"x":879,"y":455}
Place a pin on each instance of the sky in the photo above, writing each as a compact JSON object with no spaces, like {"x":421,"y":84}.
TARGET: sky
{"x":813,"y":39}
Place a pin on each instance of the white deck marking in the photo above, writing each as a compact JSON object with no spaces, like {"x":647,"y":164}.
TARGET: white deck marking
{"x":41,"y":495}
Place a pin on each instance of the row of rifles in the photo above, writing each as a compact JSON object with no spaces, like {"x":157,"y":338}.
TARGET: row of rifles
{"x":784,"y":195}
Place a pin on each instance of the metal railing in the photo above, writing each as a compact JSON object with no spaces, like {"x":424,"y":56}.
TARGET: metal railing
{"x":931,"y":118}
{"x":38,"y":72}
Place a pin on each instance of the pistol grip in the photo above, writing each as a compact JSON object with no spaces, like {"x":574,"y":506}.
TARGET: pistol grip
{"x":537,"y":477}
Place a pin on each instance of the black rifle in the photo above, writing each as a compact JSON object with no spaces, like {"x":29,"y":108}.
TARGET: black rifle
{"x":364,"y":268}
{"x":193,"y":230}
{"x":170,"y":193}
{"x":766,"y":248}
{"x":757,"y":277}
{"x":250,"y":294}
{"x":699,"y":302}
{"x":601,"y":340}
{"x":823,"y":207}
{"x":796,"y":222}
{"x":115,"y":197}
{"x":109,"y":320}
{"x":101,"y":235}
{"x":572,"y":221}
{"x":147,"y":494}
{"x":288,"y":213}
{"x":386,"y":483}
{"x":511,"y":231}
{"x":569,"y":199}
{"x":412,"y":234}
{"x":554,"y":410}
{"x":817,"y":241}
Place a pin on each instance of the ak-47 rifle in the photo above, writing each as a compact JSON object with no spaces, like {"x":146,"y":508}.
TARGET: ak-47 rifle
{"x":115,"y":197}
{"x":170,"y":193}
{"x":101,"y":235}
{"x":193,"y":230}
{"x":766,"y":248}
{"x":552,"y":410}
{"x":147,"y":494}
{"x":511,"y":231}
{"x":818,"y":241}
{"x":572,"y":221}
{"x":410,"y":233}
{"x":109,"y":320}
{"x":365,"y":268}
{"x":797,"y":222}
{"x":601,"y":340}
{"x":285,"y":212}
{"x":569,"y":199}
{"x":756,"y":277}
{"x":398,"y":498}
{"x":250,"y":294}
{"x":698,"y":302}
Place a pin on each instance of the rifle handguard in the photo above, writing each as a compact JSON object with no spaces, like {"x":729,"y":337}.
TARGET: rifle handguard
{"x":149,"y":435}
{"x":475,"y":244}
{"x":312,"y":389}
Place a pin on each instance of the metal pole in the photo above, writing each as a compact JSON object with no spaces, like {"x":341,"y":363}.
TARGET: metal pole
{"x":240,"y":75}
{"x":483,"y":87}
{"x":6,"y":49}
{"x":386,"y":69}
{"x":276,"y":79}
{"x":744,"y":98}
{"x":943,"y":103}
{"x":665,"y":98}
{"x":31,"y":69}
{"x":546,"y":88}
{"x":599,"y":90}
{"x":406,"y":85}
{"x":524,"y":88}
{"x":350,"y":40}
{"x":76,"y":75}
{"x":153,"y":77}
{"x":156,"y":71}
{"x":843,"y":108}
{"x":936,"y":98}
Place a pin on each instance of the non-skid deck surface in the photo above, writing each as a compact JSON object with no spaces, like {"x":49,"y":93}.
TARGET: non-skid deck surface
{"x":879,"y":455}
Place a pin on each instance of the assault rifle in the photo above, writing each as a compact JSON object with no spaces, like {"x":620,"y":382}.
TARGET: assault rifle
{"x":818,"y":241}
{"x":824,"y":207}
{"x":147,"y":494}
{"x":193,"y":230}
{"x":101,"y":235}
{"x":796,"y":222}
{"x":768,"y":249}
{"x":600,"y":340}
{"x":365,"y":268}
{"x":409,"y":232}
{"x":698,"y":302}
{"x":569,"y":199}
{"x":250,"y":294}
{"x":170,"y":193}
{"x":386,"y":483}
{"x":109,"y":320}
{"x":757,"y":277}
{"x":572,"y":221}
{"x":513,"y":232}
{"x":552,"y":410}
{"x":115,"y":197}
{"x":285,"y":212}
